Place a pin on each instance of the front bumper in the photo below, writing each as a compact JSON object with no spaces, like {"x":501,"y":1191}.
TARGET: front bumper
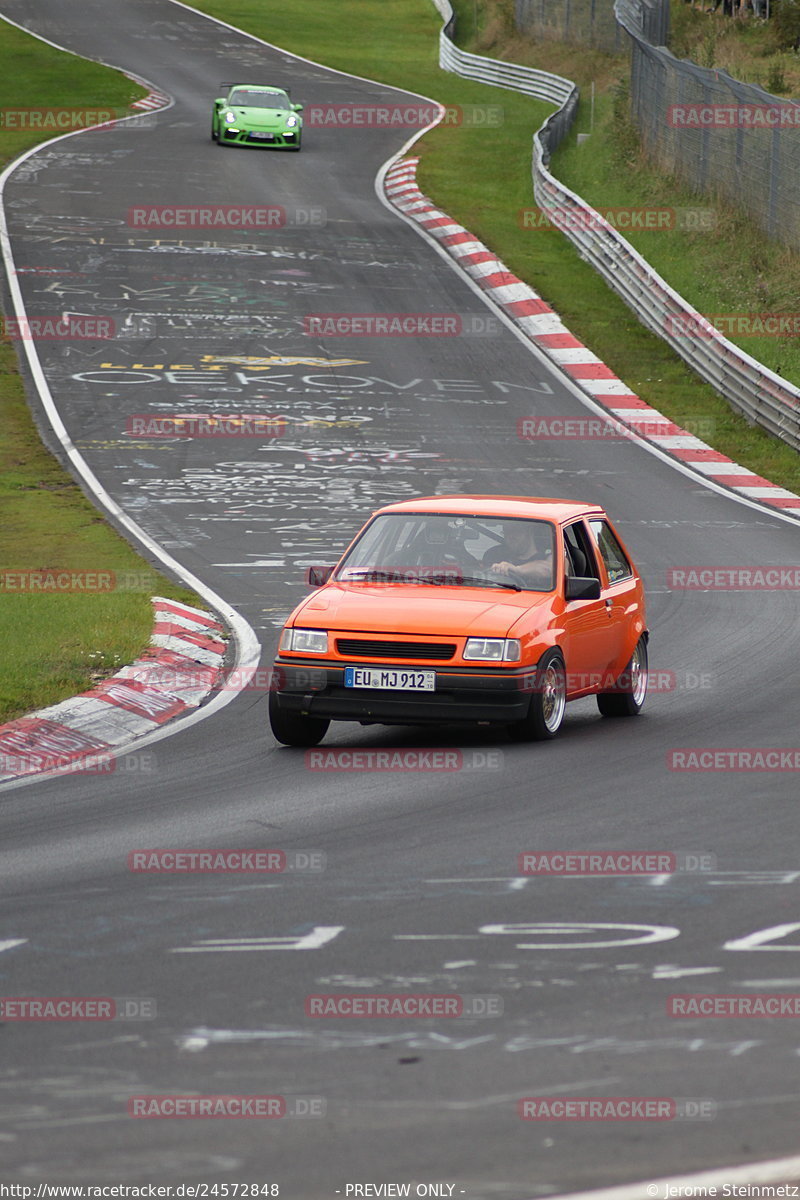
{"x":246,"y":137}
{"x":463,"y":694}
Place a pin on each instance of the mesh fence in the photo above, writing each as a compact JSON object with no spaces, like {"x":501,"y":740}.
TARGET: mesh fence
{"x":645,"y":19}
{"x":585,"y":22}
{"x":723,"y":137}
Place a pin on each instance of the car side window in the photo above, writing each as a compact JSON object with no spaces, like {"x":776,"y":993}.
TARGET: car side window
{"x":612,"y":553}
{"x":578,"y":553}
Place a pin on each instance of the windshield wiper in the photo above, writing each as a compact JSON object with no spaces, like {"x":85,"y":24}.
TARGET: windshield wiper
{"x":470,"y":579}
{"x":370,"y":573}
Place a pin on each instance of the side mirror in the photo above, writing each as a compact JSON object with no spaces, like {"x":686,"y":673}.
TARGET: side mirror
{"x":297,"y":107}
{"x":581,"y":587}
{"x":219,"y":103}
{"x":318,"y":576}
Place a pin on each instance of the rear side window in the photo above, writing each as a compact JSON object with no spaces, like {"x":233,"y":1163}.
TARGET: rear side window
{"x":611,"y":552}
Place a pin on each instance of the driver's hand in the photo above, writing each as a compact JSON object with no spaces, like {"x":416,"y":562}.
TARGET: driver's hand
{"x":503,"y":568}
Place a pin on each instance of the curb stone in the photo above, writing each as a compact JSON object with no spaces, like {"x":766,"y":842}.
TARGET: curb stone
{"x":79,"y":735}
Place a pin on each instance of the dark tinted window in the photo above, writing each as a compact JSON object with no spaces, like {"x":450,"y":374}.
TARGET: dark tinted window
{"x":243,"y":98}
{"x":475,"y":550}
{"x":578,"y":552}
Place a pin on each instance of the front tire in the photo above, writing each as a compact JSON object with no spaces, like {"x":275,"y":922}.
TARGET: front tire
{"x":627,"y":698}
{"x":294,"y":729}
{"x":546,"y":712}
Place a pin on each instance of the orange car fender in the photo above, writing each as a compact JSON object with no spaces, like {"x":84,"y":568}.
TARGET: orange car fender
{"x":638,"y":629}
{"x":544,"y":636}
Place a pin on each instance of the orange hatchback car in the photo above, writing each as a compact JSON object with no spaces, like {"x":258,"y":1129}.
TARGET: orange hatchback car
{"x":493,"y":610}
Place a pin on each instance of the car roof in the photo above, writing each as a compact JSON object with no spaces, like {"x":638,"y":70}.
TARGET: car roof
{"x":541,"y":507}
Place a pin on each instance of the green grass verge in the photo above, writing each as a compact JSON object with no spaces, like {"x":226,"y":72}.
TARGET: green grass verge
{"x":484,"y":183}
{"x":730,"y":268}
{"x":55,"y":645}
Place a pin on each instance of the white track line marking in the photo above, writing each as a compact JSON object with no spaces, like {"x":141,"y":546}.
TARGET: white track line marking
{"x":11,"y":943}
{"x":770,"y":1171}
{"x":248,"y":647}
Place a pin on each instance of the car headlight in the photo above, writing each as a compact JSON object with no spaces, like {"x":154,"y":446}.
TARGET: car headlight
{"x":310,"y":641}
{"x":291,"y":122}
{"x":230,"y":118}
{"x":493,"y":649}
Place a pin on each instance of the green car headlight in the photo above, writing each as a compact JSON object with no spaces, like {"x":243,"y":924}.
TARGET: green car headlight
{"x":291,"y":122}
{"x":493,"y":649}
{"x":229,"y":118}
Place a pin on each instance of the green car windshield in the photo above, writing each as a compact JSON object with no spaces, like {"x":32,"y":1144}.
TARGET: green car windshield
{"x":242,"y":98}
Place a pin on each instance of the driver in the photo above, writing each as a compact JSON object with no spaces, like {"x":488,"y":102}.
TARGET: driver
{"x":518,"y":554}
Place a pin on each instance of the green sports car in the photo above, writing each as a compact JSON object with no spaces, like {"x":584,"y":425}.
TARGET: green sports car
{"x":253,"y":115}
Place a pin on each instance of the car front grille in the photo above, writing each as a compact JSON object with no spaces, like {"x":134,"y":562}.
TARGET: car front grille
{"x":358,"y":648}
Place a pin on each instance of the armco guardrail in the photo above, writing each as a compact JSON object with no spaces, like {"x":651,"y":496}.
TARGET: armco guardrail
{"x":540,"y":84}
{"x":755,"y":391}
{"x":762,"y":396}
{"x":502,"y":74}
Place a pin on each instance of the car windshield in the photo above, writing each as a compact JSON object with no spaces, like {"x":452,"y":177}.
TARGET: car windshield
{"x":243,"y":98}
{"x":451,"y":549}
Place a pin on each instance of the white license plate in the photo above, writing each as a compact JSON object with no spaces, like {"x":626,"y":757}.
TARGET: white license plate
{"x":265,"y":137}
{"x":393,"y":679}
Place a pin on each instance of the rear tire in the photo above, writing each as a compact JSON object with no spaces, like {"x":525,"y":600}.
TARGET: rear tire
{"x":627,"y":698}
{"x":294,"y":729}
{"x":546,"y":712}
